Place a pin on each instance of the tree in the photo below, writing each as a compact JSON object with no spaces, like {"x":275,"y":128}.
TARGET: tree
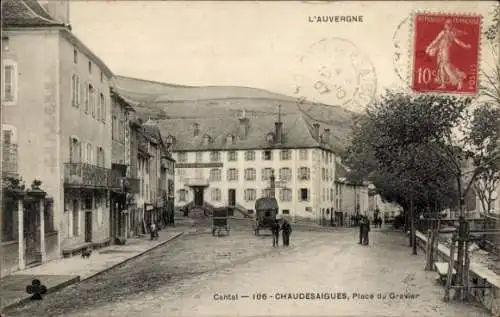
{"x":490,"y":87}
{"x":386,"y":148}
{"x":484,"y":138}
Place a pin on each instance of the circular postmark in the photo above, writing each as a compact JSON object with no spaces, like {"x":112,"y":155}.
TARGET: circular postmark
{"x":401,"y":54}
{"x":334,"y":72}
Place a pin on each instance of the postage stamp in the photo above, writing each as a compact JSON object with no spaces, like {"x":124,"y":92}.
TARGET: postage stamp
{"x":334,"y":72}
{"x":446,"y":50}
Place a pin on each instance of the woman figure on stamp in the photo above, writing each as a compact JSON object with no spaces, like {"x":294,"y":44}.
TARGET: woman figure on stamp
{"x":440,"y":46}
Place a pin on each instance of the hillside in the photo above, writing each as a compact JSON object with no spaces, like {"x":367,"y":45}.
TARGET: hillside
{"x":162,"y":101}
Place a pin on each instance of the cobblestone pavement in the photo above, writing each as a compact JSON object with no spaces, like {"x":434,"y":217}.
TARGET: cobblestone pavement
{"x":186,"y":277}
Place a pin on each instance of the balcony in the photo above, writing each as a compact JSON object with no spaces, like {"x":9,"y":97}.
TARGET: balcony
{"x":196,"y":181}
{"x":85,"y":175}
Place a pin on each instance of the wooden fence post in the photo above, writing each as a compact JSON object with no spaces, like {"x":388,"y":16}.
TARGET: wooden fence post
{"x":451,"y":266}
{"x":428,"y":252}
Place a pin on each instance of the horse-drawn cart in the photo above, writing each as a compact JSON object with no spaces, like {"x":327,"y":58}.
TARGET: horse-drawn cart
{"x":220,"y":218}
{"x":266,"y":210}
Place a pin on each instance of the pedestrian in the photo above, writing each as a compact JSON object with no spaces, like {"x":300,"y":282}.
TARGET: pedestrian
{"x":275,"y":230}
{"x":361,"y":224}
{"x":366,"y":230}
{"x":152,"y":230}
{"x":286,"y":227}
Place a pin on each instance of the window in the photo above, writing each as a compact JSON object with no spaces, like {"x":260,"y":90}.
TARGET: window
{"x":215,"y":174}
{"x":207,"y":140}
{"x":215,"y":194}
{"x":250,"y":194}
{"x":250,"y":174}
{"x":88,"y":157}
{"x":266,"y":173}
{"x":75,"y":90}
{"x":87,"y":98}
{"x":285,"y":155}
{"x":199,"y":157}
{"x":232,"y":156}
{"x":90,"y":67}
{"x":214,"y":156}
{"x":285,"y":212}
{"x":285,"y":174}
{"x":304,"y":194}
{"x":182,"y":157}
{"x":303,"y":154}
{"x":9,"y":148}
{"x":285,"y":194}
{"x":304,"y":173}
{"x":267,"y":155}
{"x":230,"y":139}
{"x":182,"y":195}
{"x":10,"y":82}
{"x":323,"y":198}
{"x":100,"y":108}
{"x":74,"y":150}
{"x":269,"y":138}
{"x":103,"y":108}
{"x":323,"y":173}
{"x":100,"y":157}
{"x":92,"y":101}
{"x":267,"y":193}
{"x":331,"y":194}
{"x":75,"y":56}
{"x":232,"y":174}
{"x":102,"y":77}
{"x":250,"y":156}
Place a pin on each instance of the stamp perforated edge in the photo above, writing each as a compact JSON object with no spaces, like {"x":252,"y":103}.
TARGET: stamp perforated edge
{"x":411,"y":44}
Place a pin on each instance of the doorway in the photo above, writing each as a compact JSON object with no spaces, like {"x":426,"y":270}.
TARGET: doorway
{"x":232,"y":197}
{"x":31,"y":232}
{"x":198,"y":196}
{"x":88,"y":226}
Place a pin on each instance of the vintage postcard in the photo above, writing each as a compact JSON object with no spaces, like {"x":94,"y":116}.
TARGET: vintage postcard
{"x":250,"y":158}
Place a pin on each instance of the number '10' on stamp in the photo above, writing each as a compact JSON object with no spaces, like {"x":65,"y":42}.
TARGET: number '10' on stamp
{"x":446,"y":53}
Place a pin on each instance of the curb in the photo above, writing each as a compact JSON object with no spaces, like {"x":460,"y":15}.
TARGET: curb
{"x":133,"y":257}
{"x":77,"y":279}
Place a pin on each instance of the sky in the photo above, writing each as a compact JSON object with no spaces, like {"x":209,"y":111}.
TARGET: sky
{"x":256,"y":44}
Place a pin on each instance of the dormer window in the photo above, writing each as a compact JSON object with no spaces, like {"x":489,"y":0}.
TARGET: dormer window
{"x":207,"y":140}
{"x":270,"y":138}
{"x":230,"y":139}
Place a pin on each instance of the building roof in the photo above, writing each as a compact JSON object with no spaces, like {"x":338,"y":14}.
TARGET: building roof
{"x":26,"y":13}
{"x":296,"y":131}
{"x":30,"y":14}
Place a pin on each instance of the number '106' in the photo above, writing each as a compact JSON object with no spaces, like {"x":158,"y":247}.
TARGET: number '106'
{"x":425,"y":75}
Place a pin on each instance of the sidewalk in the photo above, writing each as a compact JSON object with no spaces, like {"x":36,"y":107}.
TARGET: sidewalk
{"x":61,"y":273}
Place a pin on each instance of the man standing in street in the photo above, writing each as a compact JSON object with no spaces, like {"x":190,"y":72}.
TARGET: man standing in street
{"x":366,"y":231}
{"x":287,"y":231}
{"x":275,"y":230}
{"x":361,"y":229}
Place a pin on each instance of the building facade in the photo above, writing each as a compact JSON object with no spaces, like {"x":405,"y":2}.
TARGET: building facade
{"x":229,"y":162}
{"x":65,"y":141}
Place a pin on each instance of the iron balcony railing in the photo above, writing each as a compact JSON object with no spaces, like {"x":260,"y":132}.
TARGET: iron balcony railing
{"x":86,"y":175}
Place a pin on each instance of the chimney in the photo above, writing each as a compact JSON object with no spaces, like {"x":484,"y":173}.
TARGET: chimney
{"x":196,"y":129}
{"x":278,"y":131}
{"x":326,"y":136}
{"x":316,"y":131}
{"x":57,"y":9}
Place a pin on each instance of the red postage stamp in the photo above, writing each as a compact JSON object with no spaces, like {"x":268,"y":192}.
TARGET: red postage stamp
{"x":446,"y":53}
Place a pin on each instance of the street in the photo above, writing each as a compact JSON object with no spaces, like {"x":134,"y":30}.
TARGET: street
{"x":321,"y":273}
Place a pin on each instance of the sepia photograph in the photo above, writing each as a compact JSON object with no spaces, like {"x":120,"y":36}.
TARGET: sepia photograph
{"x":250,"y":158}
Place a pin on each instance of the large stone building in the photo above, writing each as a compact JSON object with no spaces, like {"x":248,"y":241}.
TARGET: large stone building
{"x":229,"y":162}
{"x":56,"y":110}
